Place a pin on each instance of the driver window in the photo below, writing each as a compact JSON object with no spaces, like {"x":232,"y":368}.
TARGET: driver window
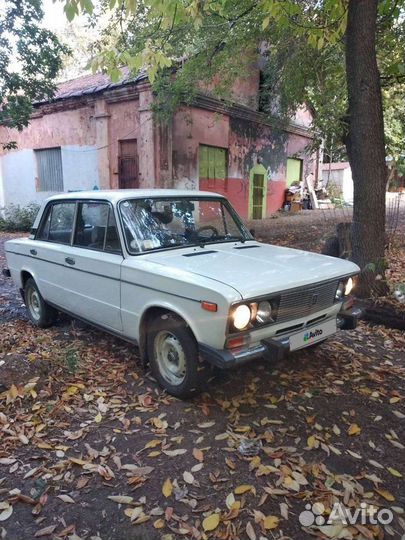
{"x":96,"y":227}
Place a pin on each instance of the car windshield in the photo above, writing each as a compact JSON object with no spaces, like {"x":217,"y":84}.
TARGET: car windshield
{"x":151,"y":224}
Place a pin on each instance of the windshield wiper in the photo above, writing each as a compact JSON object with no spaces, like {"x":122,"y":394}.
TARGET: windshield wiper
{"x":202,"y":242}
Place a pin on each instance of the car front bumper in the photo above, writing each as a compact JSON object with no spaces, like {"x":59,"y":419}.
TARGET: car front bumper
{"x":269,"y":349}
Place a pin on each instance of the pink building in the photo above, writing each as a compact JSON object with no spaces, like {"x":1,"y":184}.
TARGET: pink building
{"x":97,"y":134}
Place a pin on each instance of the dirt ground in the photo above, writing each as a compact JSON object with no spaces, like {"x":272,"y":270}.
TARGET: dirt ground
{"x":91,"y":447}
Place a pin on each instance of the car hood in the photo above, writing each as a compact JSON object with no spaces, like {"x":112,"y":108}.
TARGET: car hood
{"x":255,"y":269}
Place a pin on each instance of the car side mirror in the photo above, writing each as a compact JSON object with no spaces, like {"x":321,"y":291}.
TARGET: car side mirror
{"x":252,"y":232}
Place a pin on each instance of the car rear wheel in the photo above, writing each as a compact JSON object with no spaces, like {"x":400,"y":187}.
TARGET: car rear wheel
{"x":39,"y":312}
{"x":173,"y":356}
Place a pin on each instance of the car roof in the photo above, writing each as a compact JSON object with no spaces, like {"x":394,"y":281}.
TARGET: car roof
{"x":115,"y":195}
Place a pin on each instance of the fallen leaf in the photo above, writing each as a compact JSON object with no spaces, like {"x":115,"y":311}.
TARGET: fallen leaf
{"x":153,"y":443}
{"x":121,"y":499}
{"x":290,"y":483}
{"x":250,"y":531}
{"x":5,"y":512}
{"x":375,"y":464}
{"x":354,"y":429}
{"x":66,"y":499}
{"x":386,"y":494}
{"x":23,"y":438}
{"x":284,"y":510}
{"x":167,"y":488}
{"x":311,"y":442}
{"x":230,"y":500}
{"x":270,"y":522}
{"x":46,"y":531}
{"x":188,"y":477}
{"x":244,"y":488}
{"x":206,"y":425}
{"x":394,"y":472}
{"x":198,"y":454}
{"x":174,"y":453}
{"x":353,"y":454}
{"x":134,"y":513}
{"x":211,"y":522}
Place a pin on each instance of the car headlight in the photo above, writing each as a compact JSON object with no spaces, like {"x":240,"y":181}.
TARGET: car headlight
{"x":264,"y":312}
{"x":349,"y":286}
{"x":344,"y":288}
{"x":241,"y":317}
{"x":340,"y":291}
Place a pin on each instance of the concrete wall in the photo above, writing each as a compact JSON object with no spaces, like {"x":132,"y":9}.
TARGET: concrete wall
{"x":19,"y":174}
{"x":340,"y":175}
{"x":71,"y":130}
{"x":248,"y":144}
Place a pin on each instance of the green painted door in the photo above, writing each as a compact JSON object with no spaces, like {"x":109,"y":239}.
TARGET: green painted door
{"x":294,"y":170}
{"x":257,"y":192}
{"x":257,"y":196}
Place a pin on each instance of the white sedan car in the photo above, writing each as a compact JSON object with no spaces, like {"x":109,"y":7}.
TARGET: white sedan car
{"x":179,"y":275}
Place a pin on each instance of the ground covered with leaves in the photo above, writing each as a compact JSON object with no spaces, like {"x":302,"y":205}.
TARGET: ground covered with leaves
{"x":91,"y":447}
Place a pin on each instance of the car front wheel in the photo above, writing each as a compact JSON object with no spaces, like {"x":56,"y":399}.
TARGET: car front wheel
{"x":173,"y":356}
{"x":39,"y":312}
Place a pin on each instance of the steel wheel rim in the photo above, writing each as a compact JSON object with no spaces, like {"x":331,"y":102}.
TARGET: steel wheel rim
{"x":170,"y":357}
{"x":34,"y":303}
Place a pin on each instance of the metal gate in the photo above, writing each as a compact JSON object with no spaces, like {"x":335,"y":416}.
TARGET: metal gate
{"x":128,"y":164}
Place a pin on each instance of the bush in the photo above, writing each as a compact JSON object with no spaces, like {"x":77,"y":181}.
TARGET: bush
{"x":18,"y":218}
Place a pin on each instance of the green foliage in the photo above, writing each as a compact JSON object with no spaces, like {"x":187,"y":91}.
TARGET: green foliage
{"x":334,"y":192}
{"x":301,"y":44}
{"x":18,"y":218}
{"x":30,"y":58}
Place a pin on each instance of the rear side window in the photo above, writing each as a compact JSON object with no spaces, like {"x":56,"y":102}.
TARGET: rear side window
{"x":58,"y":223}
{"x":96,"y":228}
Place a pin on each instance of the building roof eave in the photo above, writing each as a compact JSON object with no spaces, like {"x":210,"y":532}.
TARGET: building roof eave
{"x":235,"y":110}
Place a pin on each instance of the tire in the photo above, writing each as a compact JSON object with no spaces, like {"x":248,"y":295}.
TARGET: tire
{"x":173,"y":356}
{"x":39,"y":312}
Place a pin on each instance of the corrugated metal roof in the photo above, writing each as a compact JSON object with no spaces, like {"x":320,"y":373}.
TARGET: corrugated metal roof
{"x":92,"y":84}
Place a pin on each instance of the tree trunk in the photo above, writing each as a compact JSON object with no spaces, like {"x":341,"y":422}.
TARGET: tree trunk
{"x":365,"y":144}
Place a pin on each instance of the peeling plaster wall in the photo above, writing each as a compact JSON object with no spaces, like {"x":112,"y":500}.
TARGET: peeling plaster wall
{"x":72,"y":130}
{"x":192,"y":127}
{"x":60,"y":128}
{"x":123,"y":125}
{"x":248,"y":143}
{"x":245,"y":88}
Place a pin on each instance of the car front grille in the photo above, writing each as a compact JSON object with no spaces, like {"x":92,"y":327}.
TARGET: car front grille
{"x":306,"y":300}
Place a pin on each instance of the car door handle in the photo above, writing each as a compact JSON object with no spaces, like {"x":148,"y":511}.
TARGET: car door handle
{"x":33,"y":251}
{"x":69,"y":260}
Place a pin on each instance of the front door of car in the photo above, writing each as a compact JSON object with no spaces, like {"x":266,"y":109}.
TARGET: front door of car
{"x":94,"y":260}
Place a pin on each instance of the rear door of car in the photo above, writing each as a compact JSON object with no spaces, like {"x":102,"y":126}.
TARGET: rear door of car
{"x":49,"y":251}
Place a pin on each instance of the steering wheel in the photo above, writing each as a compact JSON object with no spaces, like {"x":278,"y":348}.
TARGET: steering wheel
{"x":208,"y":228}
